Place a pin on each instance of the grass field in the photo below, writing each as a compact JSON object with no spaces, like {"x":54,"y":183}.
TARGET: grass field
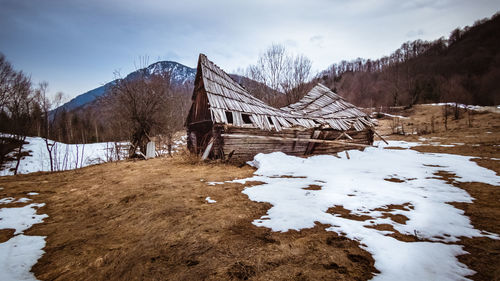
{"x":150,"y":220}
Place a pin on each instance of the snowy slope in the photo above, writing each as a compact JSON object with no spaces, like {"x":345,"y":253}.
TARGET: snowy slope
{"x":66,"y":156}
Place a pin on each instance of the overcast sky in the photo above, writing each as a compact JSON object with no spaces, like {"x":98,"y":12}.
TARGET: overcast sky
{"x":76,"y":45}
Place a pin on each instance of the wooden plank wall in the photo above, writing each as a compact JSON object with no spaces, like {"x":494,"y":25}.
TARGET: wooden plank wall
{"x":244,"y":149}
{"x":360,"y":137}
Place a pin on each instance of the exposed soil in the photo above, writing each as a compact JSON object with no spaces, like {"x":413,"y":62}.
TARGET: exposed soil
{"x":6,"y":234}
{"x":148,"y":220}
{"x":313,"y":187}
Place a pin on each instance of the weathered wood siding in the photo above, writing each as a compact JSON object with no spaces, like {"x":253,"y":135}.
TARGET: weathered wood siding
{"x":244,"y":148}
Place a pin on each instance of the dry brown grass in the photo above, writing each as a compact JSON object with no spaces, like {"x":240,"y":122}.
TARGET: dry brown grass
{"x":148,"y":220}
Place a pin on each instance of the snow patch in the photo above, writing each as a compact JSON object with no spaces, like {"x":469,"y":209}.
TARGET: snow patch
{"x":460,"y":105}
{"x":18,"y":255}
{"x":20,"y":218}
{"x":360,"y":185}
{"x":7,"y":200}
{"x":21,"y":252}
{"x":214,"y":182}
{"x":209,"y":200}
{"x":32,"y":193}
{"x":389,"y":115}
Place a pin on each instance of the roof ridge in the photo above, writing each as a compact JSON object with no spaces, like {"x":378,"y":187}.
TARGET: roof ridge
{"x":210,"y":64}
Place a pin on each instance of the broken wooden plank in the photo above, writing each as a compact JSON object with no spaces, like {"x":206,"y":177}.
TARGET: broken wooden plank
{"x":293,"y":139}
{"x":380,"y":137}
{"x":207,"y":150}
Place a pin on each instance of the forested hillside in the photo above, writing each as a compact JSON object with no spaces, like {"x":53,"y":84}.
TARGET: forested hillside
{"x":464,"y":68}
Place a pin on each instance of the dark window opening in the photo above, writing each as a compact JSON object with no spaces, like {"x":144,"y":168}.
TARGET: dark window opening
{"x":229,"y":116}
{"x":246,"y":118}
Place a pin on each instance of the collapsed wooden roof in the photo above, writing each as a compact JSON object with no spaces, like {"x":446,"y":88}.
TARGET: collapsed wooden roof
{"x":327,"y":107}
{"x":225,"y":95}
{"x":319,"y":107}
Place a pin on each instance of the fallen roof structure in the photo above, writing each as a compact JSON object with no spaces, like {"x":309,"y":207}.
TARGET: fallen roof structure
{"x":226,"y":122}
{"x":325,"y":106}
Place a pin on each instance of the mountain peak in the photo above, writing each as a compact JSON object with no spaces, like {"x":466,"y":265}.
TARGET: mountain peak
{"x":180,"y":75}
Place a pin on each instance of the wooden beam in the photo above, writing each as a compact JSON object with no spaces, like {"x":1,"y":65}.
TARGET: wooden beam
{"x":293,"y":139}
{"x":311,"y":145}
{"x":207,"y":150}
{"x":380,"y":137}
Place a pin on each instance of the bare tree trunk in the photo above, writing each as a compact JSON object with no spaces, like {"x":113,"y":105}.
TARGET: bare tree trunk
{"x":77,"y":152}
{"x":445,"y":113}
{"x":96,"y":132}
{"x":49,"y":150}
{"x":83,"y":153}
{"x":19,"y":153}
{"x":169,"y":144}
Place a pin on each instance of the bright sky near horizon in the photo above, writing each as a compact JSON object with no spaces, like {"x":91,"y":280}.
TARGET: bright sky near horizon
{"x":77,"y":45}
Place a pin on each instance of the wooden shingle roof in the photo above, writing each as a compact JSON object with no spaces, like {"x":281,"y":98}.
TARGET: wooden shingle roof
{"x":319,"y":107}
{"x":325,"y":106}
{"x":225,"y":95}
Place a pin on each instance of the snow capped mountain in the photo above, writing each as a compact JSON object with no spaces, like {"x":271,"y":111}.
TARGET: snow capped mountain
{"x":180,"y":75}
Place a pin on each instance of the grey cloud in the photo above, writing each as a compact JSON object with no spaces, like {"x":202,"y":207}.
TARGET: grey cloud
{"x":91,"y":38}
{"x":414,"y":33}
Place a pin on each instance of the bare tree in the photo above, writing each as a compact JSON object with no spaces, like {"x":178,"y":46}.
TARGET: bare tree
{"x":18,"y":106}
{"x":145,"y":106}
{"x":270,"y":67}
{"x":49,"y":117}
{"x":297,"y":73}
{"x":281,"y":71}
{"x":7,"y":75}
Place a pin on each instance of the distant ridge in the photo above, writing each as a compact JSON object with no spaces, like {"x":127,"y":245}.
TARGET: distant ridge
{"x":181,"y":75}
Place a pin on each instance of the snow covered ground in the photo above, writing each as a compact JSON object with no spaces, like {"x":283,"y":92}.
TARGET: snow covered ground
{"x":21,"y":252}
{"x":73,"y":156}
{"x":361,"y":185}
{"x":66,"y":156}
{"x":470,"y":107}
{"x":177,"y":146}
{"x":388,"y":115}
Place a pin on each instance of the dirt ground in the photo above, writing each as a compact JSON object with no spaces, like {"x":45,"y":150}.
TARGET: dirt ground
{"x":149,"y":220}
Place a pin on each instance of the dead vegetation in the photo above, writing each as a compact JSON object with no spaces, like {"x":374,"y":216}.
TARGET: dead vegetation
{"x":148,"y":220}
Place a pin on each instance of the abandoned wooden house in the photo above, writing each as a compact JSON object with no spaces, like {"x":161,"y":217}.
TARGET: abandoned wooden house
{"x":339,"y":118}
{"x":227,"y":122}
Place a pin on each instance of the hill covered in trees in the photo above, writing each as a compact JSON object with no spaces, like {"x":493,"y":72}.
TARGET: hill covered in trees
{"x":463,"y":68}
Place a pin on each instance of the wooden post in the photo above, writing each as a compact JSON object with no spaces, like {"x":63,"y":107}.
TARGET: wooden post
{"x":208,"y":149}
{"x":310,"y":146}
{"x":380,"y":137}
{"x":150,"y":150}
